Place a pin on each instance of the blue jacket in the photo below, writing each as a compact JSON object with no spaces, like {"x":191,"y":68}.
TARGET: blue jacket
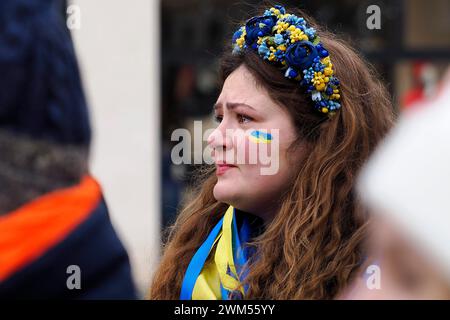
{"x":40,"y":242}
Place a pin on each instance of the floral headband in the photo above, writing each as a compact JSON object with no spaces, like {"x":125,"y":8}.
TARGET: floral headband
{"x":286,"y":40}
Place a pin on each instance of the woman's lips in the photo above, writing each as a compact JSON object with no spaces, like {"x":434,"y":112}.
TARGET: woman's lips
{"x":222,"y":168}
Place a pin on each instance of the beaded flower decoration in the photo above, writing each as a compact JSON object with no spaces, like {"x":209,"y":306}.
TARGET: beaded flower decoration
{"x":287,"y":41}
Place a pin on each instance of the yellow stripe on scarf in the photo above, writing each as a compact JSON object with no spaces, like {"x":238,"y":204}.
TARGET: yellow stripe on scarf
{"x":214,"y":273}
{"x":207,"y":285}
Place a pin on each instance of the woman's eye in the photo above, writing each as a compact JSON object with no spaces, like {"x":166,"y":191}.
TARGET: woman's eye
{"x":244,"y":119}
{"x":218,"y":119}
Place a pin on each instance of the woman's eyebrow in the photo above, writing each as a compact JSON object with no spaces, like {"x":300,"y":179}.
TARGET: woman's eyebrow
{"x":232,"y":105}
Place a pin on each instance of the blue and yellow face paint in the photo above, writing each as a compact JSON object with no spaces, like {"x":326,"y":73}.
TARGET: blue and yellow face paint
{"x":257,"y":136}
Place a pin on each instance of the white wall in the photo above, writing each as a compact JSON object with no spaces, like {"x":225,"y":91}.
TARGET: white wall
{"x":118,"y":55}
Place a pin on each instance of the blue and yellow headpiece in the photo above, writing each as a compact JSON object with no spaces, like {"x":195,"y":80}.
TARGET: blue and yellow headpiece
{"x":286,"y":40}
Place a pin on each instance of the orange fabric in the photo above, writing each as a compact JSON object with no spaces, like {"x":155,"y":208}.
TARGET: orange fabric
{"x":27,"y":233}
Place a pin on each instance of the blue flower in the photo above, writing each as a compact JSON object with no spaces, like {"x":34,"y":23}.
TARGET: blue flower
{"x":263,"y":50}
{"x":329,"y":90}
{"x":317,"y":65}
{"x":321,"y":50}
{"x":310,"y":89}
{"x":291,"y":73}
{"x":237,"y":35}
{"x":333,"y":105}
{"x":279,"y":55}
{"x":300,"y":55}
{"x":291,"y":19}
{"x":279,"y":39}
{"x":308,"y":75}
{"x":259,"y":27}
{"x":281,"y":8}
{"x":298,"y":22}
{"x":310,"y":32}
{"x":334,"y":81}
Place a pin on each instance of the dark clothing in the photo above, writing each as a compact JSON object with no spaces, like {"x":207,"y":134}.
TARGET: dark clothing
{"x":39,"y":242}
{"x":41,"y":93}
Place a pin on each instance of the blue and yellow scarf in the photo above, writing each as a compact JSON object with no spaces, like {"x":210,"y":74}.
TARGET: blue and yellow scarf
{"x":220,"y":276}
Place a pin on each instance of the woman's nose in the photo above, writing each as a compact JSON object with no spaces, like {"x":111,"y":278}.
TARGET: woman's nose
{"x":218,"y":139}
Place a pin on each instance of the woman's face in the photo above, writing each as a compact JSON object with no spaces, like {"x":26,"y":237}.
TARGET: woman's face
{"x":250,"y":146}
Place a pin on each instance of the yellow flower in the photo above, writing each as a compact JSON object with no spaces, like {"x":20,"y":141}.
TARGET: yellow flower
{"x":297,"y":35}
{"x":281,"y":47}
{"x":320,"y":81}
{"x":240,"y":42}
{"x":328,"y":71}
{"x":326,"y":62}
{"x":335,"y":95}
{"x":281,"y":26}
{"x":320,"y":86}
{"x":276,"y":12}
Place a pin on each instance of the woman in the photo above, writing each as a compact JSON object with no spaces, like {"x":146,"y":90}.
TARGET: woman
{"x":295,"y":234}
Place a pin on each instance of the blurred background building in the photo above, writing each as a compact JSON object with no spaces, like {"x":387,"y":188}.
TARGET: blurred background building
{"x":117,"y":44}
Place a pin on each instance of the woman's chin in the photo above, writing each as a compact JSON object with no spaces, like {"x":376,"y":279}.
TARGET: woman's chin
{"x":224,"y":192}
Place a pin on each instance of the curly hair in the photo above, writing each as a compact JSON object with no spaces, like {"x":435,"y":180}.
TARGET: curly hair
{"x":313,"y":245}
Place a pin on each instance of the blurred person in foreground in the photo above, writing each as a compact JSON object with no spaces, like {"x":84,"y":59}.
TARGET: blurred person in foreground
{"x":56,"y":238}
{"x":407,"y":187}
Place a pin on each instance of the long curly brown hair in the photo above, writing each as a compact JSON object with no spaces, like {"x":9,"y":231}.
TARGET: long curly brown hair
{"x":313,"y":245}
